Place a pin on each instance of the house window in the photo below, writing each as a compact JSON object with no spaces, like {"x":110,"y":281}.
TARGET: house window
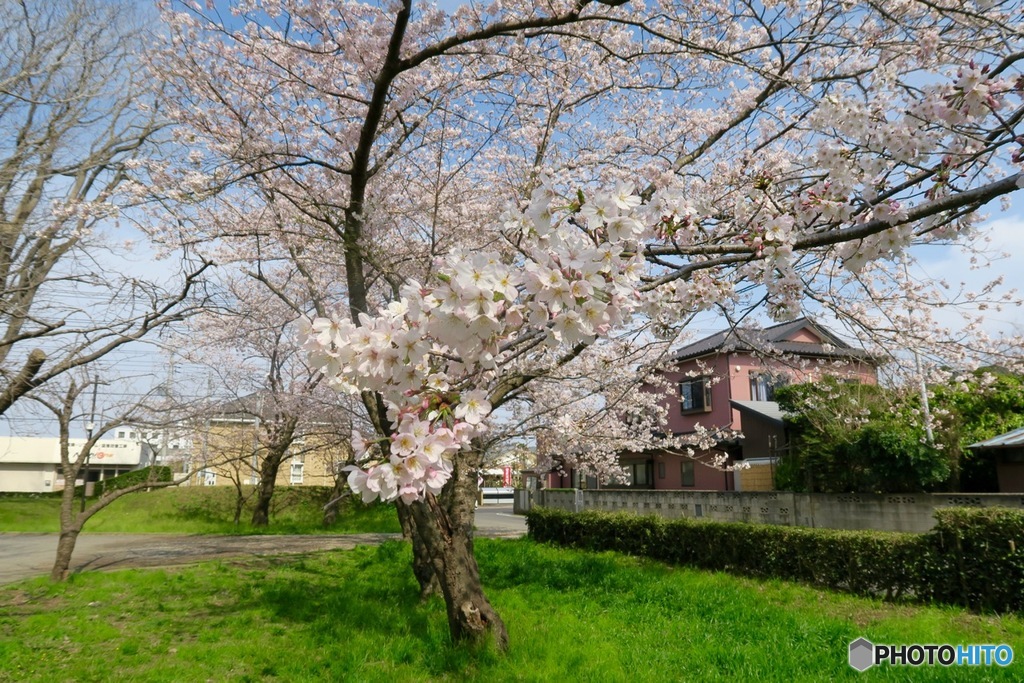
{"x":695,"y":395}
{"x":763,"y":386}
{"x":120,"y":434}
{"x":640,"y":473}
{"x":661,"y":470}
{"x":687,"y":473}
{"x":296,"y":473}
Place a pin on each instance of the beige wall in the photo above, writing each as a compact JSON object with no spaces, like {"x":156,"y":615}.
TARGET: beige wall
{"x":30,"y":464}
{"x":757,"y":477}
{"x":27,"y":477}
{"x":913,"y":512}
{"x":226,"y":453}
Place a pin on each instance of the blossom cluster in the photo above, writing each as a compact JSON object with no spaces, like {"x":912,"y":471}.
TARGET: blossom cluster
{"x":419,"y":461}
{"x":572,"y":276}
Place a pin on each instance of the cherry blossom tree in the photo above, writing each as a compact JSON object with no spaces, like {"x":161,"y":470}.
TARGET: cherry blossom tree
{"x":623,"y":165}
{"x":249,"y":343}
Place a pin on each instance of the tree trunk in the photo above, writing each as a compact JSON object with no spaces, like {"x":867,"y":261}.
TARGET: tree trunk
{"x":239,"y":501}
{"x":446,"y":529}
{"x":70,"y":527}
{"x":265,"y":488}
{"x":65,"y":548}
{"x":422,"y":566}
{"x":334,"y":501}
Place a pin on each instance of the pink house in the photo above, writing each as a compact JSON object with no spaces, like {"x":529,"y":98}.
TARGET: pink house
{"x":725,"y":383}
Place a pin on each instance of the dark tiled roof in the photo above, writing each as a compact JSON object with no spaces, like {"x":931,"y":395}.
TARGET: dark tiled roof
{"x":748,"y":339}
{"x":244,"y":408}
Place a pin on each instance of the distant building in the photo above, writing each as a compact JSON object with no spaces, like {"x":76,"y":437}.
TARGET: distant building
{"x":228,"y":448}
{"x":33,"y":464}
{"x":725,"y":383}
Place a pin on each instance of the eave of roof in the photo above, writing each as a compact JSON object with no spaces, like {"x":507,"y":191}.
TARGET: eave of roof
{"x":774,"y":336}
{"x":1012,"y":439}
{"x":766,"y":410}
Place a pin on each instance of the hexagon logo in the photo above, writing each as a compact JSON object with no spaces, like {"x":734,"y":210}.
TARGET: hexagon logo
{"x":862,"y":654}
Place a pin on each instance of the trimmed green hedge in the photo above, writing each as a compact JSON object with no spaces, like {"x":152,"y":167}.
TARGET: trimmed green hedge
{"x":146,"y":474}
{"x":977,"y":558}
{"x":974,"y":557}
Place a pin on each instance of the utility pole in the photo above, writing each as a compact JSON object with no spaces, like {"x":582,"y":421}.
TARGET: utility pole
{"x":168,"y":391}
{"x":89,"y":427}
{"x":256,"y":440}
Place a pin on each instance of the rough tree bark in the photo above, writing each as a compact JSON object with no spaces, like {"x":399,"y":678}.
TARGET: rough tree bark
{"x":65,"y":548}
{"x":277,"y":452}
{"x":422,"y":564}
{"x":445,"y":528}
{"x":71,"y":525}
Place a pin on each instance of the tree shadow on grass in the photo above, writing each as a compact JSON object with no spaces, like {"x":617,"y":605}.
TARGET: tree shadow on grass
{"x":365,"y":589}
{"x":514,"y":563}
{"x":368,"y":598}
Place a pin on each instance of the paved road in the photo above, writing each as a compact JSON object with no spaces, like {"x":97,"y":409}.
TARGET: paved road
{"x":494,"y":520}
{"x":26,"y":555}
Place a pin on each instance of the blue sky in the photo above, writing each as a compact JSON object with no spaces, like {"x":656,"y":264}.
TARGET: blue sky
{"x":1005,"y":231}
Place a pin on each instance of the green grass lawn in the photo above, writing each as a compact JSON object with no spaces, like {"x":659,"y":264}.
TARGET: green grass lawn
{"x":355,"y":616}
{"x":200,"y":510}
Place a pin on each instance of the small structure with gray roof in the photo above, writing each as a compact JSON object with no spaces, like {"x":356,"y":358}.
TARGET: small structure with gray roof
{"x":1008,"y":450}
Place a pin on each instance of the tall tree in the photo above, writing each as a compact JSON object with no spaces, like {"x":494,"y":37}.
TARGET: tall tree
{"x":975,"y":407}
{"x":250,"y":343}
{"x":660,"y":158}
{"x":856,"y":438}
{"x":75,"y":114}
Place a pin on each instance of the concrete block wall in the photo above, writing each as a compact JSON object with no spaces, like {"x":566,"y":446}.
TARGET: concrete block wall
{"x":884,"y":512}
{"x":563,"y":499}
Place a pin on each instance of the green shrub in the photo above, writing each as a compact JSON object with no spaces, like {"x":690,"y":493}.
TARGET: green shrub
{"x":974,"y":556}
{"x":855,"y":437}
{"x":121,"y":481}
{"x":978,"y":558}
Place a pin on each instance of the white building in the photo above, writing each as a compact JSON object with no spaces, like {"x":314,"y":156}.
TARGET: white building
{"x":32,"y":464}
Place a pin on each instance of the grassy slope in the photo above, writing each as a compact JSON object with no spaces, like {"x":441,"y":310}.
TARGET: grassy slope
{"x":198,"y":510}
{"x":355,"y":615}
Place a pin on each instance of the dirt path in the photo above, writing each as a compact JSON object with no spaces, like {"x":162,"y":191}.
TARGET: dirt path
{"x":24,"y":555}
